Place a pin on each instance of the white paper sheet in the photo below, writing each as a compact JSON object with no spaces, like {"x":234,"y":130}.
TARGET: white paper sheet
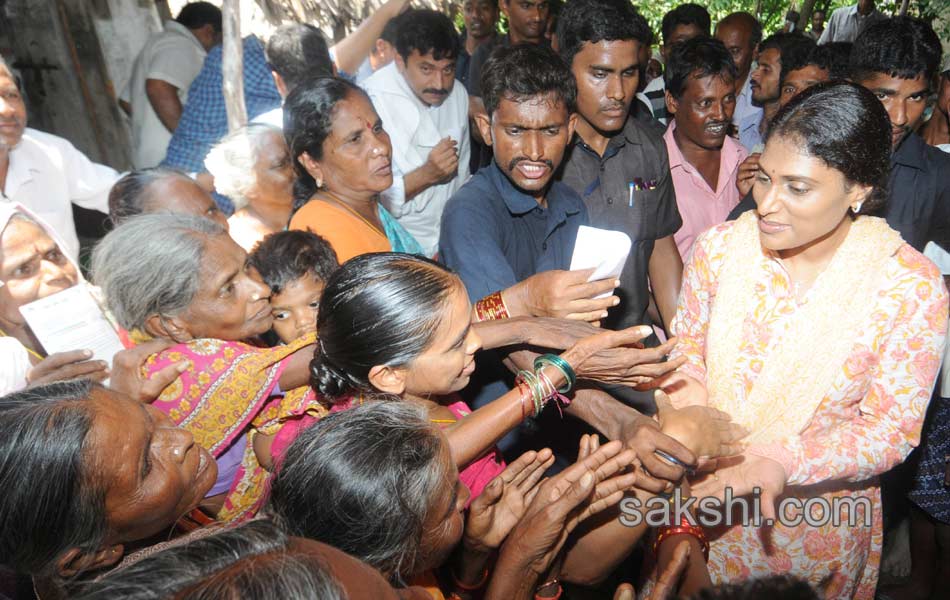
{"x":71,"y":320}
{"x":603,"y":250}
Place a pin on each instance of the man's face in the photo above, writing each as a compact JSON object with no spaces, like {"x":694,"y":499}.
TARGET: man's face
{"x":800,"y":80}
{"x":12,"y":112}
{"x":704,"y":111}
{"x":430,"y":79}
{"x":607,"y":75}
{"x":527,"y":18}
{"x":818,"y":20}
{"x":865,"y":6}
{"x":737,"y":37}
{"x":904,"y":100}
{"x":528,"y":139}
{"x":765,"y":77}
{"x":680,"y":33}
{"x":480,"y":17}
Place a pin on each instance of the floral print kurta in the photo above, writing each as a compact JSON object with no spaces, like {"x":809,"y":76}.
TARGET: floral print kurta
{"x":865,"y":424}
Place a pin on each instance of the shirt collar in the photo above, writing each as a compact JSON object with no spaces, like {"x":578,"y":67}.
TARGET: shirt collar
{"x":729,"y":156}
{"x":519,"y":203}
{"x":629,"y":134}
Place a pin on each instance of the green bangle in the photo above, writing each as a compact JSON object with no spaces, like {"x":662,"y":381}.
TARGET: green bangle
{"x":561,"y":365}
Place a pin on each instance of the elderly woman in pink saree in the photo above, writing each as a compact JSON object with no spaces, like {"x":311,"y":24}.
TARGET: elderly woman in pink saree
{"x":183,"y":279}
{"x":820,"y":330}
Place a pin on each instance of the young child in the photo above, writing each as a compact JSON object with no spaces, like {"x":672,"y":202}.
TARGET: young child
{"x":295,"y":264}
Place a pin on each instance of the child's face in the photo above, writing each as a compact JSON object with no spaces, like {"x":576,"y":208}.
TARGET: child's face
{"x":295,"y":308}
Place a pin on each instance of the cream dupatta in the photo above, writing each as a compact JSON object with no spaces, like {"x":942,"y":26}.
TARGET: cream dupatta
{"x":802,"y":365}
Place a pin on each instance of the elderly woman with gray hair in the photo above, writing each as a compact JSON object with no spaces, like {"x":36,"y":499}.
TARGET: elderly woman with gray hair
{"x":183,"y":279}
{"x":252,"y":166}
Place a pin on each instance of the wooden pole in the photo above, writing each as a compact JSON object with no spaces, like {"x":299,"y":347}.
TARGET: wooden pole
{"x":904,"y":6}
{"x":232,"y":65}
{"x":808,"y":7}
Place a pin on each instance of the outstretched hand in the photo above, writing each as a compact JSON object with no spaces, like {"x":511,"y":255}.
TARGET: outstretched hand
{"x":127,"y":372}
{"x":619,"y":357}
{"x":504,"y":500}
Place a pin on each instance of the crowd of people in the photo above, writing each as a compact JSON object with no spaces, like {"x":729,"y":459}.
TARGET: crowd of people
{"x":357,"y":362}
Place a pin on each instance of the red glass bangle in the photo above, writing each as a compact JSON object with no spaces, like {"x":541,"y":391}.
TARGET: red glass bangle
{"x":684,"y":528}
{"x":471,"y":588}
{"x":491,"y":308}
{"x":560,"y":591}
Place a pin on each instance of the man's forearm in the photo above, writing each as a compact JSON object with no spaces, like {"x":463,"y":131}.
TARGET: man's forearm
{"x":163,"y":97}
{"x":601,"y":411}
{"x":666,"y":274}
{"x":417,"y":181}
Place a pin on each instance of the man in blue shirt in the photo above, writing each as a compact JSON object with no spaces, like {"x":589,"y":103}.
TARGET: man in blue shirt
{"x":204,"y":119}
{"x":511,"y":229}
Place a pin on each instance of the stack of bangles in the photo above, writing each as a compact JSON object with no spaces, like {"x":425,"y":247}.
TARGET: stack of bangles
{"x":537,"y":386}
{"x":685,"y":527}
{"x":491,"y":308}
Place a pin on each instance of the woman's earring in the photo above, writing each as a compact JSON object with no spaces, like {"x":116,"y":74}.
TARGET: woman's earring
{"x":856,"y":208}
{"x":319,"y":183}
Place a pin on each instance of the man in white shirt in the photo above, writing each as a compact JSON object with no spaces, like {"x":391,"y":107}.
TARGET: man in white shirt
{"x":741,"y":34}
{"x":426,"y":116}
{"x":158,"y":87}
{"x":848,"y":21}
{"x":44,"y":172}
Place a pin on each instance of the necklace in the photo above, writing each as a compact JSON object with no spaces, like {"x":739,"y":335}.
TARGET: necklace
{"x":350,"y":210}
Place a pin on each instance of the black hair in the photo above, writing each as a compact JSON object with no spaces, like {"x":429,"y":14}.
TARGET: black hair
{"x":196,"y":15}
{"x":902,"y":47}
{"x":846,"y":127}
{"x":308,"y":121}
{"x":363,"y":480}
{"x":297,"y":52}
{"x":525,"y":71}
{"x":685,"y":14}
{"x":426,"y":31}
{"x":390,"y":29}
{"x":381,"y":308}
{"x":52,"y":500}
{"x":799,"y":55}
{"x":592,"y":21}
{"x":694,"y":59}
{"x":286,"y":256}
{"x":785,"y":42}
{"x":755,"y":28}
{"x":840,"y":59}
{"x":129,"y":195}
{"x":253,"y":560}
{"x":775,"y":587}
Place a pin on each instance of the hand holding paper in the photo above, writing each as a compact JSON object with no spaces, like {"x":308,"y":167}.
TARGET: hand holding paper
{"x":71,"y":319}
{"x":603,"y":251}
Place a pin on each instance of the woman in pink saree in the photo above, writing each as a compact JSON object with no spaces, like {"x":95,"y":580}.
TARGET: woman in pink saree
{"x":183,"y":279}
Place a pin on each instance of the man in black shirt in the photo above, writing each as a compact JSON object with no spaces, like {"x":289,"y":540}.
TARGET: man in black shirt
{"x":481,"y":17}
{"x":612,"y":153}
{"x":897,"y":59}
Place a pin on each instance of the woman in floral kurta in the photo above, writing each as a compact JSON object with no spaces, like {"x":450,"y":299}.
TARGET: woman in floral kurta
{"x":867,"y":423}
{"x":830,"y":369}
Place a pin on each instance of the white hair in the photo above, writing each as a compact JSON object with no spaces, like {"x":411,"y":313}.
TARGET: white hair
{"x":231,"y":161}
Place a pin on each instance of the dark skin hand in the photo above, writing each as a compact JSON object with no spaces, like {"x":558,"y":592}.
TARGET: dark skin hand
{"x":561,"y":502}
{"x":127,"y":371}
{"x":61,"y":366}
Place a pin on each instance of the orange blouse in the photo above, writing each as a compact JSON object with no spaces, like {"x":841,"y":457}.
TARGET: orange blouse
{"x":348,"y":235}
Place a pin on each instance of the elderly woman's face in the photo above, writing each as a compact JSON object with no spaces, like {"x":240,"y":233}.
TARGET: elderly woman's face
{"x":31,"y":267}
{"x":231,"y":303}
{"x":357,"y":153}
{"x":273,"y":171}
{"x":800,"y":199}
{"x":153,"y":471}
